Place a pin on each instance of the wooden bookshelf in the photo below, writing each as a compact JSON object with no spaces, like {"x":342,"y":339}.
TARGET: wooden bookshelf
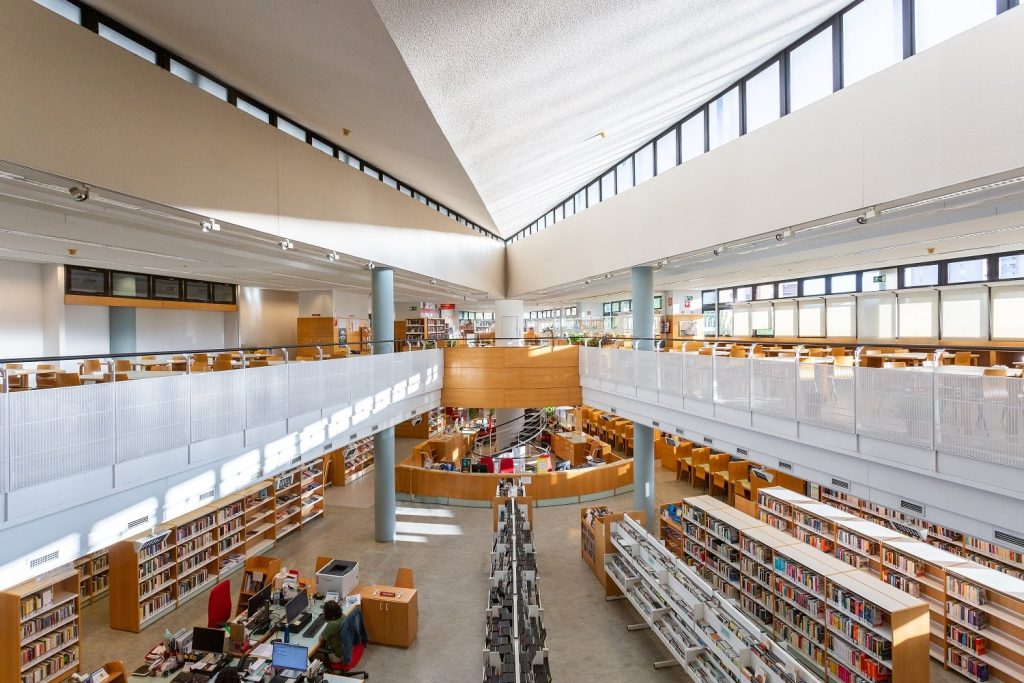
{"x":357,"y":460}
{"x":313,"y":481}
{"x":816,"y":524}
{"x":416,"y":332}
{"x":859,"y":543}
{"x":260,"y":529}
{"x":810,"y":601}
{"x":920,"y":570}
{"x":595,"y":541}
{"x":259,"y":572}
{"x":424,"y":426}
{"x":775,"y":507}
{"x":985,"y":629}
{"x":157,"y":572}
{"x":94,"y":576}
{"x":40,"y":622}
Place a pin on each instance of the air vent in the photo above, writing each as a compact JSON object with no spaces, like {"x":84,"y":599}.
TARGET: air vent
{"x":741,"y":451}
{"x":916,"y":508}
{"x":43,"y":559}
{"x":1008,"y":538}
{"x":708,"y":440}
{"x":352,"y":437}
{"x":209,"y":494}
{"x":785,"y":466}
{"x":611,"y":410}
{"x":680,"y":432}
{"x":840,"y":484}
{"x":328,"y":446}
{"x":655,"y":423}
{"x":138,"y":522}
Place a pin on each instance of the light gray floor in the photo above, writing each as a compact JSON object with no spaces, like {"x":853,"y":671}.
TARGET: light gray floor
{"x":447,"y":548}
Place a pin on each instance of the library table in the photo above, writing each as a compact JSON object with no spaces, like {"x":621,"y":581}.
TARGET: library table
{"x":969,"y":370}
{"x":133,"y":374}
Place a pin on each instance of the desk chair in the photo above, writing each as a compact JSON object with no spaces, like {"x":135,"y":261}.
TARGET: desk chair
{"x":705,"y":351}
{"x":222,"y":364}
{"x":218,"y":605}
{"x":257,"y":364}
{"x":19,"y":383}
{"x":403,"y":579}
{"x":122,"y":365}
{"x":700,"y":464}
{"x":46,"y":380}
{"x":737,"y":352}
{"x":178,"y":363}
{"x":737,"y":472}
{"x":68,"y":379}
{"x":894,"y":365}
{"x":962,"y":358}
{"x":717,"y":464}
{"x":684,"y":459}
{"x":199,"y":367}
{"x":90,"y":366}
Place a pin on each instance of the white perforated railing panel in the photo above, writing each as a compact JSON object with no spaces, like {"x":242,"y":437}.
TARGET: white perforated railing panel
{"x":335,"y":382}
{"x":698,"y":382}
{"x":4,"y":437}
{"x":624,"y":362}
{"x":732,"y":382}
{"x":773,"y":387}
{"x":895,"y":405}
{"x":218,"y":403}
{"x":152,"y":416}
{"x":57,"y":433}
{"x":266,"y":395}
{"x":670,"y":373}
{"x":647,"y":369}
{"x":826,"y":396}
{"x":981,"y":417}
{"x":304,"y":387}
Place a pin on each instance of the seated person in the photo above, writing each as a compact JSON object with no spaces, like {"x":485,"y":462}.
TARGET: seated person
{"x":226,"y":676}
{"x":341,"y":635}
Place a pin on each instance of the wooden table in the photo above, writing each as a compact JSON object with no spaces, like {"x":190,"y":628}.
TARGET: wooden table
{"x":969,"y":370}
{"x":912,"y":357}
{"x":390,"y":620}
{"x":133,"y":374}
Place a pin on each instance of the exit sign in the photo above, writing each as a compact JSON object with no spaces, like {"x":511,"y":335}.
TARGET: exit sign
{"x":878,"y":278}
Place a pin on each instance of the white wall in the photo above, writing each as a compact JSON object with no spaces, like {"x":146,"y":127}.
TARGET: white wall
{"x":214,"y":159}
{"x":87,"y":330}
{"x":316,"y":302}
{"x":21,"y":310}
{"x":158,"y":329}
{"x":949,"y":115}
{"x":267,"y":317}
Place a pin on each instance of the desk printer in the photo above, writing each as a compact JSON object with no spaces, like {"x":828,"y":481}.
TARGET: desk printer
{"x":337,"y":576}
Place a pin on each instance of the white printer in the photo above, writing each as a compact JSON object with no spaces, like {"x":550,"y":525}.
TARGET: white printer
{"x":337,"y":576}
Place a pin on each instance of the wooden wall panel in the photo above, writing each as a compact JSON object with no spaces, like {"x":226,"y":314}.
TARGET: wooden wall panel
{"x":512,"y":377}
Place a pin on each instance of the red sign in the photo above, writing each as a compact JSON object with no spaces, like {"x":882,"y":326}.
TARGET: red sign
{"x":447,"y":307}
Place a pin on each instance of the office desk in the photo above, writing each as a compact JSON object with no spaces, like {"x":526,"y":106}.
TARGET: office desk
{"x":390,"y":621}
{"x":132,"y":374}
{"x":569,"y":446}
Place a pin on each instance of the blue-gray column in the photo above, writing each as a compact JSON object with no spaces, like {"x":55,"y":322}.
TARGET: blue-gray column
{"x":121,"y":320}
{"x":383,"y":328}
{"x":643,"y":437}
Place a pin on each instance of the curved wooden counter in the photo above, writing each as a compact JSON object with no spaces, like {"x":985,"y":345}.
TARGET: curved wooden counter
{"x":415,"y":484}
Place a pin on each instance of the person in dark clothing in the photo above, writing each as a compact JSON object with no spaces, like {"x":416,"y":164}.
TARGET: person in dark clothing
{"x":330,"y":637}
{"x":227,"y":676}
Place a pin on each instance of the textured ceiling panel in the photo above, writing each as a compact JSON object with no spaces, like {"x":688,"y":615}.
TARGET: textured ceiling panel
{"x":518,"y":86}
{"x":328,"y":64}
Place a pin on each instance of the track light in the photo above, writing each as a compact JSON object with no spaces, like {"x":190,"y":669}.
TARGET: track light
{"x":587,"y":281}
{"x":371,"y":265}
{"x":785,"y":234}
{"x":286,"y":244}
{"x":333,"y":256}
{"x":79,"y":194}
{"x":433,"y":281}
{"x":718,"y":250}
{"x":867,"y":215}
{"x":210,"y":226}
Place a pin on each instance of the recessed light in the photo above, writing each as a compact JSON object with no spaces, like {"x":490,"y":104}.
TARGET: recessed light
{"x":286,"y":244}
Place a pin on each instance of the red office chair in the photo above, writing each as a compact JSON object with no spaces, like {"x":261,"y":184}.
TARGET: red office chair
{"x":218,"y":608}
{"x":508,"y":465}
{"x":342,"y":668}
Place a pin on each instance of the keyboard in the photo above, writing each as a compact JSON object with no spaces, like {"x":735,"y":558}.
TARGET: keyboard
{"x":315,"y":627}
{"x":301,"y":621}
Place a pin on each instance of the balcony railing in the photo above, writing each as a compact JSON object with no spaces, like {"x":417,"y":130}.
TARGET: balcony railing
{"x":949,"y":409}
{"x":54,"y":433}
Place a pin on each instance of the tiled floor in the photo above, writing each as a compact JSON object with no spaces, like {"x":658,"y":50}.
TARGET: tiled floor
{"x":448,"y":550}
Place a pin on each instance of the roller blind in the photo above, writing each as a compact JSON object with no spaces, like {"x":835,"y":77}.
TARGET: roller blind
{"x":876,"y":316}
{"x":812,"y":318}
{"x":741,"y":321}
{"x":1008,"y":313}
{"x":840,"y":317}
{"x":919,"y":315}
{"x":785,"y":319}
{"x":965,"y":313}
{"x":761,"y":317}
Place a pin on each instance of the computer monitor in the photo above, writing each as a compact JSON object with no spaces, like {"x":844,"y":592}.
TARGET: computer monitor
{"x":761,"y":474}
{"x":288,"y":656}
{"x":296,"y":606}
{"x":207,"y":639}
{"x":261,"y":598}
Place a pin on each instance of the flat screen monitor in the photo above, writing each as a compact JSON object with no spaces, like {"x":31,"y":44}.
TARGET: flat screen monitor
{"x":288,"y":656}
{"x":296,"y":606}
{"x":761,"y":474}
{"x":261,"y":598}
{"x":207,"y":639}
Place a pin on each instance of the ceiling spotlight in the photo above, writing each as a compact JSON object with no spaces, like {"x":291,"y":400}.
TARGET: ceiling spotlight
{"x":79,"y":194}
{"x":210,"y":226}
{"x":662,"y":263}
{"x":718,"y":250}
{"x":433,"y":281}
{"x":333,"y":256}
{"x":867,"y":215}
{"x":371,"y":265}
{"x":785,"y":234}
{"x":587,"y":281}
{"x":286,"y":244}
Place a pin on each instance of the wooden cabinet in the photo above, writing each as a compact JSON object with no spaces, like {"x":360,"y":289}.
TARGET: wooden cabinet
{"x":390,"y":620}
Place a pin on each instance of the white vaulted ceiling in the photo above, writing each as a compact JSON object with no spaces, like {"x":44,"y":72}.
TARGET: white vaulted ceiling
{"x":483,"y":105}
